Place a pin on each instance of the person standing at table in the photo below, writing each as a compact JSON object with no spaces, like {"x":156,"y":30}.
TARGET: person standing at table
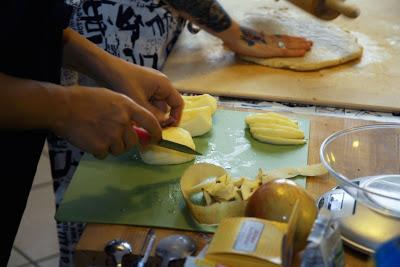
{"x":131,"y":44}
{"x":33,"y":39}
{"x":144,"y":32}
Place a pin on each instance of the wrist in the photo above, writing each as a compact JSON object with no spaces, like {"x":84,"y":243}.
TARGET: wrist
{"x":231,"y":36}
{"x":117,"y":73}
{"x":59,"y":99}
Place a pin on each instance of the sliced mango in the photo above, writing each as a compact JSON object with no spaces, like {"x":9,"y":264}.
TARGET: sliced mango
{"x":222,"y":192}
{"x":265,"y":119}
{"x":282,"y":133}
{"x":279,"y":116}
{"x":249,"y":187}
{"x":274,"y":128}
{"x":279,"y":140}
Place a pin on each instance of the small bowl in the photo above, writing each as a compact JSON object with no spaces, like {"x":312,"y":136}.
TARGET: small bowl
{"x":365,"y":161}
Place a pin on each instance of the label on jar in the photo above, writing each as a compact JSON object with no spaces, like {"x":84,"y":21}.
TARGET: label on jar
{"x":248,"y":236}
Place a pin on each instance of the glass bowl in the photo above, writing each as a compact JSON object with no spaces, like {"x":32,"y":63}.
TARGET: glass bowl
{"x":365,"y":162}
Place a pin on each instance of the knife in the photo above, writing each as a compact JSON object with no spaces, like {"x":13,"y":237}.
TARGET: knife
{"x":145,"y":138}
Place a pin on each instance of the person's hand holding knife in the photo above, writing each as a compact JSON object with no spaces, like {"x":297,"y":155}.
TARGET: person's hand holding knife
{"x":99,"y":120}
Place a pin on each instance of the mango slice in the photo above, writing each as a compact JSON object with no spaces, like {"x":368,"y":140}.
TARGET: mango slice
{"x":274,"y":128}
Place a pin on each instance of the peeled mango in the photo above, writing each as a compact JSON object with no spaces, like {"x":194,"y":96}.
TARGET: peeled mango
{"x":197,"y":114}
{"x":156,"y":155}
{"x":197,"y":121}
{"x":195,"y":101}
{"x":275,"y":200}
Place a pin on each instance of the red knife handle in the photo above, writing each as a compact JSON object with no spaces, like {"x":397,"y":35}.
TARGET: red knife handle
{"x":143,"y":135}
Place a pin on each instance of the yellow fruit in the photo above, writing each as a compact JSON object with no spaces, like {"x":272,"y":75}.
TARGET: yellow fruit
{"x":248,"y":187}
{"x":197,"y":121}
{"x":274,"y":128}
{"x":264,"y":119}
{"x":277,"y":115}
{"x":200,"y":101}
{"x":156,"y":155}
{"x":278,"y":140}
{"x":290,"y":133}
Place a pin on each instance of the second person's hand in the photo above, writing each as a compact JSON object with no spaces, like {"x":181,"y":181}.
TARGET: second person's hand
{"x":99,"y":121}
{"x":248,"y":42}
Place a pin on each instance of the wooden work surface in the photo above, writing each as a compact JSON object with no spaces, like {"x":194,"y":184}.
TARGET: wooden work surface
{"x":89,"y":251}
{"x":199,"y":64}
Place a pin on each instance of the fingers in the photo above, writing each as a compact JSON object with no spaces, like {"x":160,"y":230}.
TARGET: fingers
{"x":130,"y":139}
{"x":167,"y":120}
{"x":159,"y":114}
{"x":171,"y":97}
{"x":119,"y":144}
{"x":291,"y":42}
{"x":147,"y":120}
{"x":161,"y":105}
{"x":117,"y":147}
{"x":101,"y":153}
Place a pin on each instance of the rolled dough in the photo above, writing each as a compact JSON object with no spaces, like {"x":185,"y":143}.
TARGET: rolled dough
{"x":331,"y":44}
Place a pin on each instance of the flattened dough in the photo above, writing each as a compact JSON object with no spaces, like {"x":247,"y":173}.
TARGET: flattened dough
{"x":331,"y":44}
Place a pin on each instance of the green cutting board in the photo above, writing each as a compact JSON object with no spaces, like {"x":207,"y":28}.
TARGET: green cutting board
{"x":124,"y":190}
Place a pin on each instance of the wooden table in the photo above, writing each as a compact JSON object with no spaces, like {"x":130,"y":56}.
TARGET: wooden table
{"x":89,"y":250}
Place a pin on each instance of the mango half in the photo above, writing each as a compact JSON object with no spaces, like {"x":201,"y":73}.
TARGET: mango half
{"x":197,"y":121}
{"x":195,"y":101}
{"x":156,"y":155}
{"x":197,"y":114}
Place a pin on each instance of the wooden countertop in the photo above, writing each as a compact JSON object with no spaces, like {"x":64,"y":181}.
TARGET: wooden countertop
{"x":89,"y":250}
{"x":200,"y":64}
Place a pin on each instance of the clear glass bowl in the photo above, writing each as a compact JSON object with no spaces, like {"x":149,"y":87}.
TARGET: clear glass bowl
{"x":365,"y":161}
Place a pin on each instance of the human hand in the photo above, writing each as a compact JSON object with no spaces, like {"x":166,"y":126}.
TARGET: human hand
{"x":249,"y":42}
{"x":149,"y":88}
{"x":99,"y":121}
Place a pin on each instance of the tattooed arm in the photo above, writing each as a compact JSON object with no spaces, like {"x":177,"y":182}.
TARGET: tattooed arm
{"x":212,"y":17}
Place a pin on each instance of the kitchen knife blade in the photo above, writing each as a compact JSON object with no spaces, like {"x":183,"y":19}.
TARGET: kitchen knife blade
{"x":145,"y":138}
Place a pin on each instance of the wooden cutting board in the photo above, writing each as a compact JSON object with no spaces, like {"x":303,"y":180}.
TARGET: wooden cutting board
{"x":199,"y":64}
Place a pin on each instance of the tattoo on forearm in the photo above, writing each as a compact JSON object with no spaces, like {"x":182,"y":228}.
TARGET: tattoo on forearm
{"x":208,"y":13}
{"x":251,"y":37}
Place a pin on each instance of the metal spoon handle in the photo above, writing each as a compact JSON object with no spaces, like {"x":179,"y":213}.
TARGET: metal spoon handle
{"x":147,"y":252}
{"x":119,"y":264}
